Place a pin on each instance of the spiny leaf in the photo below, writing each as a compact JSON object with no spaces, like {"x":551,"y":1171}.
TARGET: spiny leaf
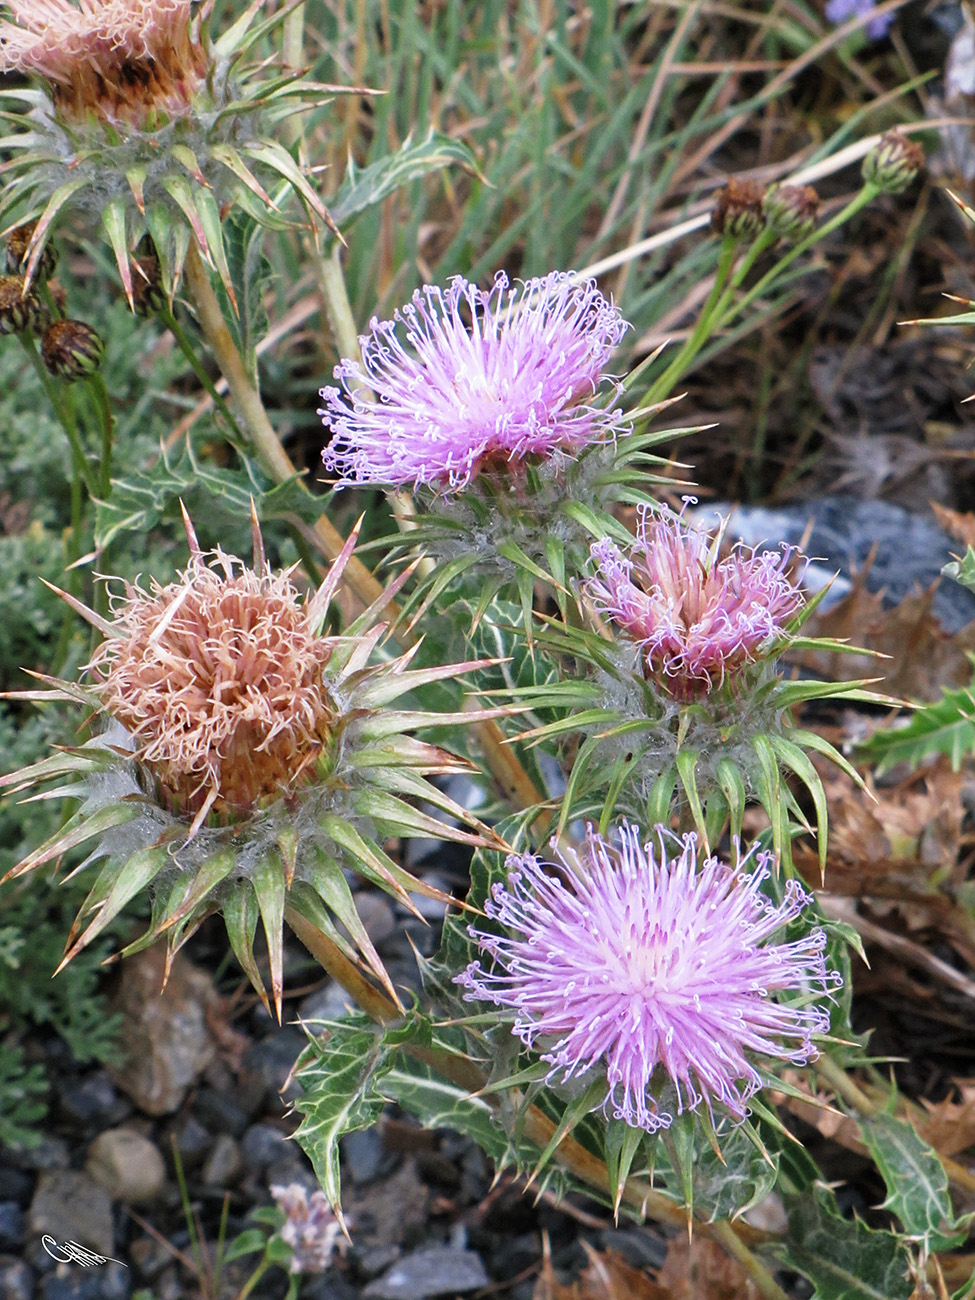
{"x":843,"y":1258}
{"x":339,"y":1076}
{"x":414,"y":159}
{"x":917,"y":1185}
{"x":947,"y":727}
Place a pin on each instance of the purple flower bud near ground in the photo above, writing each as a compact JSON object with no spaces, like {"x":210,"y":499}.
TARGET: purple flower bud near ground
{"x":470,"y":379}
{"x":652,"y":969}
{"x":699,"y":619}
{"x":310,"y":1228}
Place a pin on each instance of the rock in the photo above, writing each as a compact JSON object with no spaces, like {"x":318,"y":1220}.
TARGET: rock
{"x":394,"y":1210}
{"x":262,"y":1145}
{"x":15,"y":1184}
{"x":149,"y":1256}
{"x":439,"y":1270}
{"x":91,"y":1101}
{"x":71,"y":1282}
{"x":223,"y":1165}
{"x":11,"y":1225}
{"x":363,"y":1155}
{"x":16,"y":1279}
{"x":220,"y":1112}
{"x":68,"y":1205}
{"x":268,"y":1064}
{"x":193,"y":1141}
{"x":374,"y":1260}
{"x":165,"y":1037}
{"x":127,"y":1165}
{"x":328,"y":1003}
{"x":50,"y":1153}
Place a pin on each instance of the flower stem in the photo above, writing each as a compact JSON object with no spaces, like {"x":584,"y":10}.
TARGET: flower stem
{"x":189,"y":352}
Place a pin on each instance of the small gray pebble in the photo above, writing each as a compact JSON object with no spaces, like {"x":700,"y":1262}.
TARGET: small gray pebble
{"x":223,"y":1166}
{"x":220,"y":1113}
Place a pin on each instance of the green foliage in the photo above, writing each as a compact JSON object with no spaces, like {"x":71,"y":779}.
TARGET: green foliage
{"x":945,"y":727}
{"x":843,"y":1258}
{"x":917,"y":1185}
{"x":22,"y":1089}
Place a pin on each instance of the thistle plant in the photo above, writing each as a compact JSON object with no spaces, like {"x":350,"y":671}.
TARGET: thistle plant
{"x":651,"y":972}
{"x":244,"y":762}
{"x":136,"y":115}
{"x":622,"y":1013}
{"x":498,"y":409}
{"x":682,"y":703}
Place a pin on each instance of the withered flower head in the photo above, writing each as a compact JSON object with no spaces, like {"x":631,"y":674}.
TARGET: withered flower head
{"x":139,"y":117}
{"x":124,"y":61}
{"x":71,"y":349}
{"x":247,"y":761}
{"x":20,"y":307}
{"x":738,"y":211}
{"x":791,"y":210}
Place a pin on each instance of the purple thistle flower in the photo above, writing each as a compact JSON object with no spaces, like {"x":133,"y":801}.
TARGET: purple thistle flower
{"x":483,"y":378}
{"x":310,"y":1228}
{"x":652,"y":968}
{"x":838,"y":11}
{"x":697,"y":618}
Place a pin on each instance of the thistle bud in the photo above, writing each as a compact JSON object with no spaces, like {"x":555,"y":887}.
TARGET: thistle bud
{"x":791,"y":210}
{"x":147,"y":291}
{"x":71,"y":350}
{"x":18,"y":243}
{"x":893,"y":163}
{"x":20,"y":307}
{"x":738,"y":212}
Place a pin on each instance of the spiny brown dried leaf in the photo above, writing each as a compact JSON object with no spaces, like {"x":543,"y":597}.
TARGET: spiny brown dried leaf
{"x":922,"y":656}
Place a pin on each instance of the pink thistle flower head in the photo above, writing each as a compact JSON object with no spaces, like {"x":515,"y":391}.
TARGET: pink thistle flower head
{"x":120,"y":60}
{"x":310,"y":1228}
{"x":470,"y":380}
{"x":697,"y":618}
{"x":654,"y":970}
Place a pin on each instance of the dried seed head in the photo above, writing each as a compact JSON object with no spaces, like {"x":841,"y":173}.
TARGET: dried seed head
{"x":791,"y":210}
{"x":122,"y":61}
{"x":71,"y":349}
{"x":219,"y":679}
{"x":893,"y":162}
{"x":738,"y":212}
{"x":20,"y":307}
{"x":18,"y":243}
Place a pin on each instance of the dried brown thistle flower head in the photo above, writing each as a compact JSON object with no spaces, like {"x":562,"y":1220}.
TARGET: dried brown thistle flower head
{"x":119,"y":60}
{"x":139,"y":116}
{"x":247,"y":761}
{"x":738,"y":210}
{"x":20,"y":307}
{"x":220,"y":681}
